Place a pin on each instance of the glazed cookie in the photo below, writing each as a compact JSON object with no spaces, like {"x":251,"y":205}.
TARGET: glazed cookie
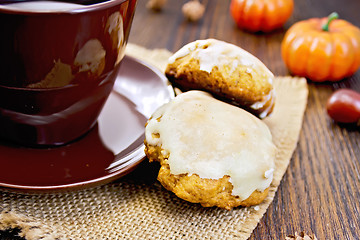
{"x":225,"y":70}
{"x":211,"y":152}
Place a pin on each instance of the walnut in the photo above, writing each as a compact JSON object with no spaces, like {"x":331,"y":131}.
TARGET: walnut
{"x":193,"y":10}
{"x":156,"y":5}
{"x":301,"y":236}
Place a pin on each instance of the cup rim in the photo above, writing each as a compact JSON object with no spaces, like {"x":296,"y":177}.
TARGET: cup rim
{"x":24,"y":89}
{"x":85,"y":8}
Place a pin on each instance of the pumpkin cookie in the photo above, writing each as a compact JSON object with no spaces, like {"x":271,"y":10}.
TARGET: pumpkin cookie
{"x":211,"y":152}
{"x":225,"y":70}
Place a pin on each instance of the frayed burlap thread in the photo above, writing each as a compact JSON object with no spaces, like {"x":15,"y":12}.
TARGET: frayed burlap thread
{"x":137,"y":206}
{"x":29,"y":228}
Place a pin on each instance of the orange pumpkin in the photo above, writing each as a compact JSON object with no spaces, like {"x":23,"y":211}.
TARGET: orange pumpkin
{"x":261,"y":15}
{"x":322,"y":49}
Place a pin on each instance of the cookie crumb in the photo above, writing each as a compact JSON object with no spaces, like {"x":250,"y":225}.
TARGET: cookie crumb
{"x":301,"y":236}
{"x":193,"y":10}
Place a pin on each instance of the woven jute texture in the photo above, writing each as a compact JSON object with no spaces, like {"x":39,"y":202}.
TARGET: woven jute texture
{"x":137,"y":206}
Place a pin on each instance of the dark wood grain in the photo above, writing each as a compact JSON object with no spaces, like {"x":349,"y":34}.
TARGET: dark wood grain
{"x":320,"y":190}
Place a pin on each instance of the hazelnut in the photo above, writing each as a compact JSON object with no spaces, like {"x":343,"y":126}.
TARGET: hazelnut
{"x":156,"y":5}
{"x":193,"y":10}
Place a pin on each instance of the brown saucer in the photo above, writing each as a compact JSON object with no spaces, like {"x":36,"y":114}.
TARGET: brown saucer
{"x":109,"y":151}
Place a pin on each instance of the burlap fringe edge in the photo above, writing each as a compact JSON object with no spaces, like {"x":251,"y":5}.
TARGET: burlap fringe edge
{"x":30,"y":228}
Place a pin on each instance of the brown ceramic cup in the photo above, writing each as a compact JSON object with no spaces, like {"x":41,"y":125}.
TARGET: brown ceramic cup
{"x":57,"y":68}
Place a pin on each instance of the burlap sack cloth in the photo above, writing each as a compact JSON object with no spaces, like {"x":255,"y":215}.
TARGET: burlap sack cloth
{"x":138,"y":207}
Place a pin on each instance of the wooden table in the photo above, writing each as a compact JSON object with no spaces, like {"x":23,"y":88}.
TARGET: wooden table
{"x":320,"y":190}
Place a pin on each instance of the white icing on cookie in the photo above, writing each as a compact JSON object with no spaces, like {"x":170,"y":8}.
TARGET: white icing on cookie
{"x":211,"y":138}
{"x":220,"y":53}
{"x":214,"y":53}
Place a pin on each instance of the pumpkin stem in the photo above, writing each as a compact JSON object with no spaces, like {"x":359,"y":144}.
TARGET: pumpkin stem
{"x":331,"y":17}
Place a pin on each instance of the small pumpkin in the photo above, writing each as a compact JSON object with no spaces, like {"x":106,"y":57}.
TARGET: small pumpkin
{"x":322,"y":49}
{"x":261,"y":15}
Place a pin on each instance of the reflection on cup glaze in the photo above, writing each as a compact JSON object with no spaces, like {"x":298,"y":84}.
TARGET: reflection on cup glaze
{"x":60,"y":75}
{"x":91,"y":58}
{"x":115,"y":28}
